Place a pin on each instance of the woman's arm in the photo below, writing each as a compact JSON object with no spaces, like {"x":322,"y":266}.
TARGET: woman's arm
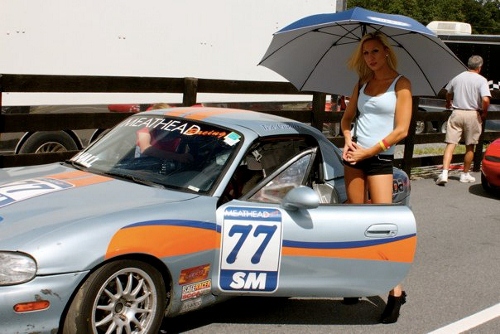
{"x":346,"y":121}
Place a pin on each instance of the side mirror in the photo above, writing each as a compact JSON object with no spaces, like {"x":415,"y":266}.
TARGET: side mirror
{"x":300,"y":198}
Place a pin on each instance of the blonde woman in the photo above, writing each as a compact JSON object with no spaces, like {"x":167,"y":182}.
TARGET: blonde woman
{"x":383,"y":98}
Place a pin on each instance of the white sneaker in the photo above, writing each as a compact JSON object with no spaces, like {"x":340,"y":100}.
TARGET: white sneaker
{"x":441,"y":180}
{"x":467,"y":178}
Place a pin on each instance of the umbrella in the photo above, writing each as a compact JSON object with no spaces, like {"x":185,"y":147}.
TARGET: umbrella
{"x":312,"y":53}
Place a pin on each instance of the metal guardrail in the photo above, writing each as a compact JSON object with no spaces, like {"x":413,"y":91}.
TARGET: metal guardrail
{"x":189,"y":87}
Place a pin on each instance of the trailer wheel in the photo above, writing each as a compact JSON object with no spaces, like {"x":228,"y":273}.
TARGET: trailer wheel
{"x":48,"y":142}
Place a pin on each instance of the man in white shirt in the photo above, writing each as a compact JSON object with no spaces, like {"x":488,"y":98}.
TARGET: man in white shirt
{"x":471,"y":98}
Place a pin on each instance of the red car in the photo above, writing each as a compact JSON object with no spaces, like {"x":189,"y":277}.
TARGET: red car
{"x":490,"y":167}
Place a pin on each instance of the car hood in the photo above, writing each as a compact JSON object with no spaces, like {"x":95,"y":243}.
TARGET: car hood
{"x":54,"y":209}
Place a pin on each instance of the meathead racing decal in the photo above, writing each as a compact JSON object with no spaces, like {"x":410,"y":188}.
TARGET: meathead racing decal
{"x":250,"y":249}
{"x":25,"y":189}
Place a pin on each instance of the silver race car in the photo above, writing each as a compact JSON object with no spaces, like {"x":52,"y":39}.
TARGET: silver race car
{"x":177,"y":209}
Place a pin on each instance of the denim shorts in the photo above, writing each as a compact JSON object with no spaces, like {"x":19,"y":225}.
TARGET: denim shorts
{"x":377,"y":165}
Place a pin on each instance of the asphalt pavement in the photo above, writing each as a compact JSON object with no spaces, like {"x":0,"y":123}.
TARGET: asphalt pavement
{"x":453,"y":286}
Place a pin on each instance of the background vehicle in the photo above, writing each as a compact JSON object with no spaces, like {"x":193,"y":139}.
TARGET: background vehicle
{"x":490,"y":168}
{"x":48,"y":141}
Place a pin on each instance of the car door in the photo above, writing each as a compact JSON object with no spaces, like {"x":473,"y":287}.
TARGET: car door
{"x":278,"y":239}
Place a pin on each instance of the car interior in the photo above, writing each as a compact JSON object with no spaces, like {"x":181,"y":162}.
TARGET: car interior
{"x":273,"y":167}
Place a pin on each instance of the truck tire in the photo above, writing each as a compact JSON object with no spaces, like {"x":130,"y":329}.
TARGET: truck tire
{"x":48,"y":142}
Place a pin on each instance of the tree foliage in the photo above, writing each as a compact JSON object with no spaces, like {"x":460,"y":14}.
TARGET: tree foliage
{"x":482,"y":15}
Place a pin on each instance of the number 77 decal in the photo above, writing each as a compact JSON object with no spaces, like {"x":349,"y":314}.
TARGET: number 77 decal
{"x":250,"y":249}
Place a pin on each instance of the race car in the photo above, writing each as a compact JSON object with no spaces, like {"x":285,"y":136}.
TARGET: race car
{"x":176,"y":209}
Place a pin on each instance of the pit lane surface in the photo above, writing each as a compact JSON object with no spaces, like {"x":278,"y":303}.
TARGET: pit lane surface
{"x":453,"y":286}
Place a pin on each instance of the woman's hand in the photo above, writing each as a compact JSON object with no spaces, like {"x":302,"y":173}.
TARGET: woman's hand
{"x":350,"y":152}
{"x":349,"y":147}
{"x":353,"y":152}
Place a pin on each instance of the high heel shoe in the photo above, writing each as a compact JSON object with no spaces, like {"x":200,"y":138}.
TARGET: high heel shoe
{"x":391,"y":311}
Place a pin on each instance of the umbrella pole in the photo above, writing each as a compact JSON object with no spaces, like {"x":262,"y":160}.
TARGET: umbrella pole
{"x":363,"y":29}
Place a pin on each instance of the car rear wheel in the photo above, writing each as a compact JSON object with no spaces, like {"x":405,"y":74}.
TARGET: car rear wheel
{"x":126,"y":296}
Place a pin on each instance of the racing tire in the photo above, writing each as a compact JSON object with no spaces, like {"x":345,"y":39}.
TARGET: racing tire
{"x":125,"y":296}
{"x":48,"y":142}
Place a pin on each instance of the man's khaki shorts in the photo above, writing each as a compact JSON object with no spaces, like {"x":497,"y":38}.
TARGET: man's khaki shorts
{"x":463,"y":125}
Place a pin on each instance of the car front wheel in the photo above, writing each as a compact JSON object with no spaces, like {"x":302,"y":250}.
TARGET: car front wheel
{"x":485,"y":184}
{"x":125,"y":296}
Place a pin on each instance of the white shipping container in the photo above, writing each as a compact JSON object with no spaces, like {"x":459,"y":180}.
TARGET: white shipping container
{"x":450,"y":28}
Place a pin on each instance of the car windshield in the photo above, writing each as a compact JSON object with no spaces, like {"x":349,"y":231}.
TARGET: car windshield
{"x":162,"y":151}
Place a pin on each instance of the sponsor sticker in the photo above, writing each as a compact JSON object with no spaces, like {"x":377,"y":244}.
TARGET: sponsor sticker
{"x":190,"y":305}
{"x":250,"y":249}
{"x":232,"y":138}
{"x":196,"y":290}
{"x":397,"y":186}
{"x":21,"y":190}
{"x":194,"y":274}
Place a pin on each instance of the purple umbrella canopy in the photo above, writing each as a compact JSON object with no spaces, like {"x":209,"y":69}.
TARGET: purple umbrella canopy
{"x":312,"y":53}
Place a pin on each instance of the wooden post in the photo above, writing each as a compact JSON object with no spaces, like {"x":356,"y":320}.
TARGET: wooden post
{"x":410,"y":139}
{"x":318,"y":110}
{"x":478,"y":152}
{"x":190,"y":92}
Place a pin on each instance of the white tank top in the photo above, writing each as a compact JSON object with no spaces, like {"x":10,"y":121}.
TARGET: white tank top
{"x":376,"y":116}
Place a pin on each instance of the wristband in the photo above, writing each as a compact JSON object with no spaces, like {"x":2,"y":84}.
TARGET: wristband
{"x":384,"y":145}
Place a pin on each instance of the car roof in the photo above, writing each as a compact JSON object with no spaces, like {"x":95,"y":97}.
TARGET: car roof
{"x":261,"y":123}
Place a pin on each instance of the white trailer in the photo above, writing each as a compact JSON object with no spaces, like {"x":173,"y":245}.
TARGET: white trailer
{"x":215,"y":39}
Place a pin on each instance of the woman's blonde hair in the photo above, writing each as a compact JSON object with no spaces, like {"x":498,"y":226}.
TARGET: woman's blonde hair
{"x":357,"y":62}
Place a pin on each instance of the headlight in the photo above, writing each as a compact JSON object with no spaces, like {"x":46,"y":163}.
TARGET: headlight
{"x":16,"y":268}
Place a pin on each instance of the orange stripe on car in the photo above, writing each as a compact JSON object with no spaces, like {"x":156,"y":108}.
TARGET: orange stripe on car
{"x":152,"y":239}
{"x":80,"y":178}
{"x":396,"y":251}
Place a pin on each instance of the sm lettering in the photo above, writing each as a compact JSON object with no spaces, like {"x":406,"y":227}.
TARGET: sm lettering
{"x":249,"y":281}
